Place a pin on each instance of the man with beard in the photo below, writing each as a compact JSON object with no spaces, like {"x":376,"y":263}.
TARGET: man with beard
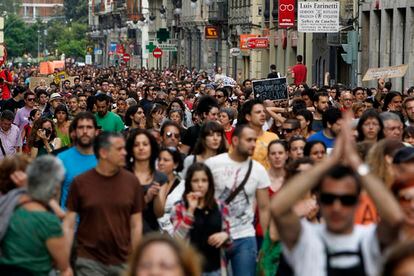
{"x":321,"y":103}
{"x":79,"y":158}
{"x":106,"y":119}
{"x":332,"y":120}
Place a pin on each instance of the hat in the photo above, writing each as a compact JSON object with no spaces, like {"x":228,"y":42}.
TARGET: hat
{"x":404,"y":155}
{"x":55,"y":96}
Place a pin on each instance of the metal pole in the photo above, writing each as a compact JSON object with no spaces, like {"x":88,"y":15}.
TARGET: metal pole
{"x":38,"y":45}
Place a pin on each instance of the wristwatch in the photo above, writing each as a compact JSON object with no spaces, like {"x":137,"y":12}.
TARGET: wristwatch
{"x":363,"y":170}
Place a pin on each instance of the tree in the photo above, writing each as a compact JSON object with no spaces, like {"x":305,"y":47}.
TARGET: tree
{"x":19,"y":37}
{"x":76,"y":10}
{"x":10,"y":6}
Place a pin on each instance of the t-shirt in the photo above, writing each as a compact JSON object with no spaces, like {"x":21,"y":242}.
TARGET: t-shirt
{"x":24,"y":244}
{"x":308,"y":256}
{"x":110,"y":122}
{"x":260,"y":152}
{"x":105,"y":206}
{"x":228,"y":174}
{"x":320,"y":136}
{"x":366,"y":213}
{"x":300,"y":72}
{"x":6,"y":75}
{"x":317,"y":125}
{"x":12,"y":105}
{"x":22,"y":117}
{"x":71,"y":158}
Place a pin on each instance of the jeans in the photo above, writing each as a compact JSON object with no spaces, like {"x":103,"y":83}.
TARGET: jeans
{"x":242,"y":256}
{"x":212,"y":273}
{"x":87,"y":267}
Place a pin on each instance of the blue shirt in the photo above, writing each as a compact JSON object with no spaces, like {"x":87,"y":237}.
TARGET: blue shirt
{"x":320,"y":136}
{"x":75,"y":163}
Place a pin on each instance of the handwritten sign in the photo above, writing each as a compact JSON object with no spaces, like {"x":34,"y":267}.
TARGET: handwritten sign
{"x":270,"y":89}
{"x":385,"y":72}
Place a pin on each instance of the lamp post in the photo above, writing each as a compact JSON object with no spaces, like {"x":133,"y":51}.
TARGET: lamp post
{"x":38,"y":45}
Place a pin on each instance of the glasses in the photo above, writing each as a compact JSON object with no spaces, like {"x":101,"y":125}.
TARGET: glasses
{"x":171,"y":134}
{"x":346,"y":200}
{"x":30,"y":99}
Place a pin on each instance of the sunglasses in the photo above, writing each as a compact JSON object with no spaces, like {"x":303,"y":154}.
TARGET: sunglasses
{"x":406,"y":198}
{"x":30,"y":99}
{"x":171,"y":134}
{"x":288,"y":130}
{"x":346,"y":200}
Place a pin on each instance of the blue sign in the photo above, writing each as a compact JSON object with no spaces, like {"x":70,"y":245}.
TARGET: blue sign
{"x":112,"y":47}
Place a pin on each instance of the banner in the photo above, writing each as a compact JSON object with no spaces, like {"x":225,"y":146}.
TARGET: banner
{"x":286,"y":13}
{"x":386,"y":72}
{"x":244,"y":38}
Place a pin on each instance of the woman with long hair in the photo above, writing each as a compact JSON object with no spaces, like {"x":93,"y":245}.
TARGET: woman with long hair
{"x":200,"y":219}
{"x":156,"y":117}
{"x":62,"y":124}
{"x":34,"y":115}
{"x":170,"y":163}
{"x":211,"y":141}
{"x":315,"y":150}
{"x":270,"y":246}
{"x":370,"y":127}
{"x":43,"y":138}
{"x":142,"y":153}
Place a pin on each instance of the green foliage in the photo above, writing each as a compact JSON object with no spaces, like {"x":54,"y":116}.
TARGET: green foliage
{"x":76,"y":10}
{"x":22,"y":38}
{"x":10,"y":6}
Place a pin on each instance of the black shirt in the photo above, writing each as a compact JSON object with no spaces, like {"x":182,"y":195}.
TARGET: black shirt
{"x":206,"y":223}
{"x":12,"y":105}
{"x":191,"y":137}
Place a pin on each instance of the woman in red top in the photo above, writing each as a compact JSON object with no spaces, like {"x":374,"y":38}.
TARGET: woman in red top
{"x":226,"y":118}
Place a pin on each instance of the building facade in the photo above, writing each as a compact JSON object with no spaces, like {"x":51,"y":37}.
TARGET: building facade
{"x":387,"y":39}
{"x":44,"y":10}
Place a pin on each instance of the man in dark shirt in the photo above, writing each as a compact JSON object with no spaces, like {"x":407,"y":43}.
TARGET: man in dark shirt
{"x":109,"y":201}
{"x":17,"y":101}
{"x":274,"y":74}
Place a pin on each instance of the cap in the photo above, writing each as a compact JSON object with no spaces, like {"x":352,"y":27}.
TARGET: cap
{"x":403,"y":155}
{"x":55,"y":96}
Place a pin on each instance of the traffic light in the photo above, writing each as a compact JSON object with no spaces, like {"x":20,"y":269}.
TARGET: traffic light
{"x":350,"y":48}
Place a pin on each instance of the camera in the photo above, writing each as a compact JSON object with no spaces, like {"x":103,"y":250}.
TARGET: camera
{"x":47,"y":131}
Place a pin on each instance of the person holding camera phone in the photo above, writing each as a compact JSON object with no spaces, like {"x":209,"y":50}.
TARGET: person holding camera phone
{"x":43,"y":139}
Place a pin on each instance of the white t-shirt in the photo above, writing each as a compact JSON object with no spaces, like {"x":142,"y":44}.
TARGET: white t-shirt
{"x":175,"y":196}
{"x":228,"y":174}
{"x":308,"y":256}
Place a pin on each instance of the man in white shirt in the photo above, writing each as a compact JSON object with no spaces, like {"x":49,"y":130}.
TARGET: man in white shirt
{"x":229,"y":171}
{"x":337,"y":246}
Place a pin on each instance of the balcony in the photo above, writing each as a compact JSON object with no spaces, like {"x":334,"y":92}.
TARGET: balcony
{"x":218,"y":13}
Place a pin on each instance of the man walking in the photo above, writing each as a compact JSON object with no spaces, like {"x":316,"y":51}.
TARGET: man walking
{"x":86,"y":129}
{"x":240,"y":182}
{"x":106,"y":119}
{"x":299,"y":71}
{"x":22,"y":115}
{"x":109,"y":202}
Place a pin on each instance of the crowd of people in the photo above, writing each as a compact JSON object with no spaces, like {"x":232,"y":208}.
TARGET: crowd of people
{"x":180,"y":172}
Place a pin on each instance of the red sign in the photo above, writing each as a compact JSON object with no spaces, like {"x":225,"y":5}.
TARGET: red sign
{"x":126,"y":57}
{"x":157,"y":53}
{"x":211,"y":32}
{"x":286,"y":13}
{"x":258,"y":43}
{"x":243,"y":40}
